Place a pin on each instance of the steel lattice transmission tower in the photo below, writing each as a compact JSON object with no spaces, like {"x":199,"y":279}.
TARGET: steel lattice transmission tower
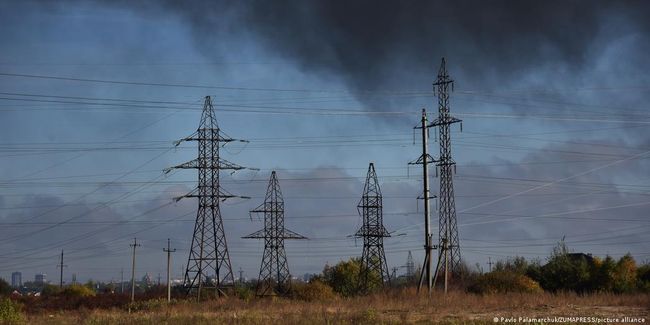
{"x":410,"y":267}
{"x":374,"y":269}
{"x":449,"y":260}
{"x":274,"y":275}
{"x":208,"y":264}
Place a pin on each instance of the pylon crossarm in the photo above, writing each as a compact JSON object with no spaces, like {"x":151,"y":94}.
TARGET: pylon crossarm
{"x":288,"y":234}
{"x":223,"y":195}
{"x":445,"y":121}
{"x":190,"y":194}
{"x":260,"y":234}
{"x":220,"y":136}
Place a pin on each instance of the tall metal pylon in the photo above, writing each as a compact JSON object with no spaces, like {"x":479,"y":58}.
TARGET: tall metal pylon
{"x":449,"y":257}
{"x":208,"y":264}
{"x":274,"y":275}
{"x":374,"y":269}
{"x":410,"y":267}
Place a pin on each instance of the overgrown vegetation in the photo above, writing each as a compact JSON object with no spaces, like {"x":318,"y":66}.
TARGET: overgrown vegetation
{"x":564,"y":274}
{"x":5,"y":288}
{"x":389,"y":306}
{"x":10,"y":312}
{"x":315,"y":290}
{"x":504,"y":282}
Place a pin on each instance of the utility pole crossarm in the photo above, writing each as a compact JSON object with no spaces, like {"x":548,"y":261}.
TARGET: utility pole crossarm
{"x":421,"y":160}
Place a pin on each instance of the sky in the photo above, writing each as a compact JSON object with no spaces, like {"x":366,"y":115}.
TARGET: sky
{"x":553,"y":97}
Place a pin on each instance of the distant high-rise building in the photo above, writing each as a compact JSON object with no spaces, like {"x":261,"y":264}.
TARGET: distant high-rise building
{"x":16,"y":279}
{"x":40,"y":278}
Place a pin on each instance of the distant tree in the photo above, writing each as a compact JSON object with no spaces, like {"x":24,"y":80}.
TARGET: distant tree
{"x":534,"y":270}
{"x":5,"y":288}
{"x":603,"y":274}
{"x":516,"y":264}
{"x":503,"y":282}
{"x":566,"y":272}
{"x":343,"y":277}
{"x":315,"y":290}
{"x":643,"y":277}
{"x":50,"y":290}
{"x":625,"y":274}
{"x":77,"y":290}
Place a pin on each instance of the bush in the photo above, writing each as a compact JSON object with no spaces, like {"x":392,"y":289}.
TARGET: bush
{"x":504,"y":282}
{"x":77,"y":290}
{"x":344,"y":277}
{"x":50,"y":290}
{"x":625,"y":275}
{"x":244,"y":292}
{"x":565,"y":271}
{"x":315,"y":290}
{"x":643,"y":278}
{"x":5,"y":288}
{"x":10,"y":312}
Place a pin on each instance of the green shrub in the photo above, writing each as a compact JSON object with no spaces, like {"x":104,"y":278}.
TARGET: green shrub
{"x":504,"y":282}
{"x":50,"y":290}
{"x":565,"y":271}
{"x":10,"y":312}
{"x":643,"y":278}
{"x":5,"y":288}
{"x":77,"y":290}
{"x":244,"y":292}
{"x":344,"y":277}
{"x":315,"y":290}
{"x":625,"y":279}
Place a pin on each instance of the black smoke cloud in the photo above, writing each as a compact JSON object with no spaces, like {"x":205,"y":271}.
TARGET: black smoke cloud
{"x":377,"y":44}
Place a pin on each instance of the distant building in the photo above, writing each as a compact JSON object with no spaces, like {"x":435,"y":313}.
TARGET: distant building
{"x":16,"y":279}
{"x":40,"y":278}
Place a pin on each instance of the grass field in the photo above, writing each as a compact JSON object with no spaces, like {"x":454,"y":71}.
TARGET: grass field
{"x":393,"y":307}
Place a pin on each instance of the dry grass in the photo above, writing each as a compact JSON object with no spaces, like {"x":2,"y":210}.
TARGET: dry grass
{"x":393,"y":307}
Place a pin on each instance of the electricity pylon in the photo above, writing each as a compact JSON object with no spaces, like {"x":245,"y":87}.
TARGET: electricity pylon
{"x":449,"y":260}
{"x":274,"y":275}
{"x":374,"y":269}
{"x":208,"y":265}
{"x":410,"y":267}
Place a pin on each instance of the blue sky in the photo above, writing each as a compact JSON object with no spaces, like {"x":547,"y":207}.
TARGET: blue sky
{"x":554,"y":142}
